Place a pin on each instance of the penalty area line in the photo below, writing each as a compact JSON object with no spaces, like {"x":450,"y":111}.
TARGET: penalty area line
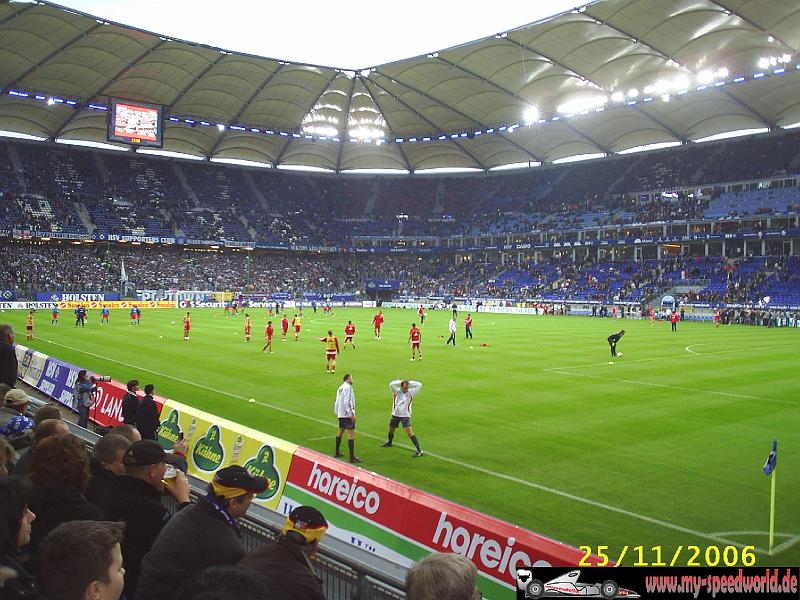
{"x":453,"y":461}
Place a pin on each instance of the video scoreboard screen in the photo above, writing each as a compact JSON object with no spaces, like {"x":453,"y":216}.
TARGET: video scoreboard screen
{"x":133,"y":122}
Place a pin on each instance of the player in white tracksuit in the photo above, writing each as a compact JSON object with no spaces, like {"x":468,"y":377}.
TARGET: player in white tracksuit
{"x":345,"y":408}
{"x":403,"y":393}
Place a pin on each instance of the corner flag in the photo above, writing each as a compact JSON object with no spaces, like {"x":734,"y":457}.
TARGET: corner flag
{"x":123,"y":276}
{"x":772,"y":459}
{"x":770,"y":471}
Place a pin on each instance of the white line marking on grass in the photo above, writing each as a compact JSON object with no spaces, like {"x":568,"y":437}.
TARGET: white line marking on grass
{"x":679,"y":388}
{"x":785,"y":545}
{"x":465,"y":465}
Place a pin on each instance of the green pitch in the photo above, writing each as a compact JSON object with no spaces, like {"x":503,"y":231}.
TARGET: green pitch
{"x":662,"y":448}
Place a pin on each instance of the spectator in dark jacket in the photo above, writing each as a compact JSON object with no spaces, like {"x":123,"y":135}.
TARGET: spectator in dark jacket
{"x":147,"y":421}
{"x":59,"y":471}
{"x":106,"y":466}
{"x":15,"y":533}
{"x":8,"y":356}
{"x":286,"y":562}
{"x":130,"y":403}
{"x":203,"y":535}
{"x":136,"y":499}
{"x":215,"y":583}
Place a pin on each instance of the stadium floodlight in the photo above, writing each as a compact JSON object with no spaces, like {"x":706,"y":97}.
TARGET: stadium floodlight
{"x":50,"y":101}
{"x":578,"y":105}
{"x":705,"y":76}
{"x":681,"y":82}
{"x":365,"y":72}
{"x":722,"y":72}
{"x":221,"y":126}
{"x":763,"y":62}
{"x":633,"y":93}
{"x":530,"y":115}
{"x":617,"y":97}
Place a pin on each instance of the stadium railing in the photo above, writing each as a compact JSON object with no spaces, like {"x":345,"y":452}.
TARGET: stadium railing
{"x":347,"y":573}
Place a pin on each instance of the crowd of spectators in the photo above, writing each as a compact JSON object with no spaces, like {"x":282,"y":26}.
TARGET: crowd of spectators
{"x":63,"y":189}
{"x":81,"y":523}
{"x":29,"y":267}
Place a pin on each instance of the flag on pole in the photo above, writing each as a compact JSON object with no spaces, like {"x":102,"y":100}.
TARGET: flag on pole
{"x":772,"y":459}
{"x":123,"y":276}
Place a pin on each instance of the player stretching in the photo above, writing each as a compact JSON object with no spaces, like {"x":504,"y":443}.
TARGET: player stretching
{"x":331,"y":350}
{"x":29,"y":326}
{"x":104,"y":315}
{"x":403,"y":393}
{"x":54,"y":320}
{"x":268,"y":334}
{"x":284,"y":328}
{"x":377,"y":321}
{"x":247,"y":325}
{"x":187,"y":325}
{"x":612,"y":341}
{"x":296,"y":325}
{"x":349,"y":332}
{"x":415,"y":337}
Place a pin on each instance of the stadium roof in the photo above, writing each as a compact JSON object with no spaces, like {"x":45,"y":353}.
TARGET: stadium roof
{"x":601,"y":79}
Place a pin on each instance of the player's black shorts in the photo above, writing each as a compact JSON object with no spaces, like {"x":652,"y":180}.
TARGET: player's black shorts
{"x":347,"y":423}
{"x":395,"y":421}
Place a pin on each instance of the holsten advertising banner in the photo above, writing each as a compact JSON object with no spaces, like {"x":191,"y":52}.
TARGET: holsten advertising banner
{"x":214,"y":442}
{"x":76,"y":296}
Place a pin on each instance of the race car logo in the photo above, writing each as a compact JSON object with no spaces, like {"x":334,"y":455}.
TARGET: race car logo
{"x":568,"y":585}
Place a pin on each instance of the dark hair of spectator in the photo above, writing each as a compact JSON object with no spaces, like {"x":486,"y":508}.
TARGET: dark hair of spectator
{"x":148,"y":389}
{"x":223,"y":583}
{"x":75,"y":554}
{"x":132,"y":384}
{"x":15,"y":495}
{"x":107,"y":447}
{"x":46,"y":412}
{"x":60,"y":461}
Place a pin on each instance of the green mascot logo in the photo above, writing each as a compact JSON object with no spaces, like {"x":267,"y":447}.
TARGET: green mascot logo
{"x":169,"y":431}
{"x":262,"y":466}
{"x":208,"y":452}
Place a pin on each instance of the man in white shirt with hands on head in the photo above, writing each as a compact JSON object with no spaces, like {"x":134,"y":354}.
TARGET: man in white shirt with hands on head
{"x":345,"y":408}
{"x":403,"y":392}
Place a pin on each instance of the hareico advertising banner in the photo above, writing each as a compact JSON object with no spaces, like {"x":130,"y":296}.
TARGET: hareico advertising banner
{"x":117,"y":304}
{"x":403,"y":524}
{"x":214,"y":442}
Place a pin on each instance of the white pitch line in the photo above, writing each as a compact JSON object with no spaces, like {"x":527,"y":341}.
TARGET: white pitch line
{"x":664,"y":358}
{"x":679,"y":388}
{"x":465,"y":465}
{"x":785,"y":545}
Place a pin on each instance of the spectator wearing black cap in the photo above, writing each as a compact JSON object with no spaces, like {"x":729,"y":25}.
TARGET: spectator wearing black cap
{"x":205,"y":534}
{"x":136,"y":499}
{"x":286,"y":562}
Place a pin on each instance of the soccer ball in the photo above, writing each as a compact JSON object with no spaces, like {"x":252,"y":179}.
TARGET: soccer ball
{"x":619,"y":354}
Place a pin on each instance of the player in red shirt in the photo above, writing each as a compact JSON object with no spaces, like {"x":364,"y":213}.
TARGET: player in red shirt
{"x":349,"y":332}
{"x":247,"y":326}
{"x":421,"y":313}
{"x":284,"y":327}
{"x":331,"y":350}
{"x":674,"y":318}
{"x":268,"y":334}
{"x":227,"y":310}
{"x":187,"y":325}
{"x":717,"y":318}
{"x":652,"y":316}
{"x":296,"y":325}
{"x":377,"y":321}
{"x":415,"y":337}
{"x":54,"y":320}
{"x":468,"y":325}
